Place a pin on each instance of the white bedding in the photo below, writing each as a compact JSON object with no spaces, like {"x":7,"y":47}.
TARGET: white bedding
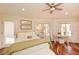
{"x":42,"y":49}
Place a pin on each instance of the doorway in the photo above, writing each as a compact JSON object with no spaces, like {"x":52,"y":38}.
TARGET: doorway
{"x":9,"y":37}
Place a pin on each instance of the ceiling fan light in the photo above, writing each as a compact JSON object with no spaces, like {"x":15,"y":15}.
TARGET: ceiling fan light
{"x":52,"y":9}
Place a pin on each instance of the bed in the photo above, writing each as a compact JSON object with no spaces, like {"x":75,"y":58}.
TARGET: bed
{"x":30,"y":47}
{"x":42,"y":49}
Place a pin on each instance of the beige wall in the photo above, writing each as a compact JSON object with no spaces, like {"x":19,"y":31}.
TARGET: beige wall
{"x":1,"y":32}
{"x":74,"y":28}
{"x":54,"y":24}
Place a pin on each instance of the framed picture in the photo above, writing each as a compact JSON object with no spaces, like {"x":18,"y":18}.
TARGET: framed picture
{"x":25,"y":25}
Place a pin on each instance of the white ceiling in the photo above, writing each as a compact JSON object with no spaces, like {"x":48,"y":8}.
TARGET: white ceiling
{"x":34,"y":10}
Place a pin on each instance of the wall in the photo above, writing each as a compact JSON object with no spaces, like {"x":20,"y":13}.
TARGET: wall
{"x":74,"y":28}
{"x":1,"y":32}
{"x":54,"y":24}
{"x":16,"y":20}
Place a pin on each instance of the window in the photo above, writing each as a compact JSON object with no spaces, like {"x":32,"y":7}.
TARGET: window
{"x":46,"y":29}
{"x":65,"y":29}
{"x":43,"y":30}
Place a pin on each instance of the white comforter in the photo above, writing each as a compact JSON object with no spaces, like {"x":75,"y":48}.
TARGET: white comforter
{"x":42,"y":49}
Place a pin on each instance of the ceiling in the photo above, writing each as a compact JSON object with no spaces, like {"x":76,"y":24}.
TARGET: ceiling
{"x":34,"y":10}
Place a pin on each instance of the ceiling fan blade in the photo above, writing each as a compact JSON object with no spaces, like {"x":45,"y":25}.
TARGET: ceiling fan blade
{"x":49,"y":5}
{"x":58,"y":4}
{"x":58,"y":8}
{"x":46,"y":9}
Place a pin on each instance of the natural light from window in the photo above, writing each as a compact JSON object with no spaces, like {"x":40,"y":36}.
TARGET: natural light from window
{"x":66,"y":29}
{"x":9,"y":32}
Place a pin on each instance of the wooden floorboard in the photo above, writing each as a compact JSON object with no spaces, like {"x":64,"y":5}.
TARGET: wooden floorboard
{"x":65,"y":49}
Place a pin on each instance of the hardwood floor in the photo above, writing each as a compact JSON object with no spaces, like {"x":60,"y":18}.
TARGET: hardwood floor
{"x":65,"y":49}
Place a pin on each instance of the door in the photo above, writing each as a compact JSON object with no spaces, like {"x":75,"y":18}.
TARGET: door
{"x":8,"y":33}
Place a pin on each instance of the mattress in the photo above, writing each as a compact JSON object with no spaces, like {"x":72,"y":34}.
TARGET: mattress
{"x":42,"y":49}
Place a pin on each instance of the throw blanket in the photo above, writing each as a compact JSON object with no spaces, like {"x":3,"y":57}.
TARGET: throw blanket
{"x":23,"y":45}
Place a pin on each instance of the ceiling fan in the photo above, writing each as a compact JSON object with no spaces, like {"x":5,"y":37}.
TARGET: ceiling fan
{"x":53,"y":7}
